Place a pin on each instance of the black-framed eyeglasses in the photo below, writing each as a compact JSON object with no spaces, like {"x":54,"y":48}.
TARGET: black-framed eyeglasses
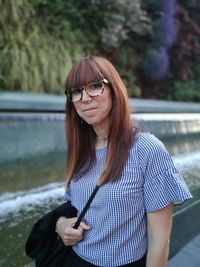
{"x":93,"y":88}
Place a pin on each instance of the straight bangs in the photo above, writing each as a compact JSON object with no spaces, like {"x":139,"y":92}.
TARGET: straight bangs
{"x":83,"y":72}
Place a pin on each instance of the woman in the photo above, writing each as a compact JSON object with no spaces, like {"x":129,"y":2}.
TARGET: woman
{"x":129,"y":221}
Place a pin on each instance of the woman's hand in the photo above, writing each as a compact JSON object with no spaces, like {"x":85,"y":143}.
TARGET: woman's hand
{"x":68,"y":234}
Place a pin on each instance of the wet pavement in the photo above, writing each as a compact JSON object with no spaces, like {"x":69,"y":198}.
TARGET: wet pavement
{"x":188,"y":256}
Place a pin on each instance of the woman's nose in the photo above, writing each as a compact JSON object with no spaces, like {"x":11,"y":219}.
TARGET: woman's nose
{"x":85,"y":96}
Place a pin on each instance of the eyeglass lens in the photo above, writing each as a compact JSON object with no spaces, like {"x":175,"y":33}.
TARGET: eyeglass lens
{"x":92,"y":89}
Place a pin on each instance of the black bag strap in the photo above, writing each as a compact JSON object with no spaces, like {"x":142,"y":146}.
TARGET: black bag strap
{"x":86,"y":207}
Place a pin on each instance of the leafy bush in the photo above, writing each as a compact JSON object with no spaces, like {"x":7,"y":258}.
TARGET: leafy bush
{"x":33,"y":58}
{"x":40,"y":39}
{"x":126,"y":59}
{"x":188,"y":90}
{"x":125,"y":19}
{"x":157,"y":64}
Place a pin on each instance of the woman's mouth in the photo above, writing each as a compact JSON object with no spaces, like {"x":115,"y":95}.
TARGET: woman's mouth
{"x":89,"y":111}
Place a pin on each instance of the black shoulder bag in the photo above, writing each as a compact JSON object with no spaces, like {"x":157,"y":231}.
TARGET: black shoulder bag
{"x":43,"y":244}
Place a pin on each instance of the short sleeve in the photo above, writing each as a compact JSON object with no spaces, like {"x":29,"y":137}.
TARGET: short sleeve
{"x":163,"y":183}
{"x":166,"y":188}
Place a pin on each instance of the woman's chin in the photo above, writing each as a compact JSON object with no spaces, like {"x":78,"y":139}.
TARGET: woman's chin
{"x":90,"y":121}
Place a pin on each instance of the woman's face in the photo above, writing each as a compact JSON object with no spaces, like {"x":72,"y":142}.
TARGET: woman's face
{"x":95,"y":110}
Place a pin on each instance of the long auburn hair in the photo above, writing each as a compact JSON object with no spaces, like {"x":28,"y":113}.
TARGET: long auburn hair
{"x":81,"y":138}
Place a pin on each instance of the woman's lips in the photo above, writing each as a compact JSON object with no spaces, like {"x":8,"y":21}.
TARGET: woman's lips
{"x":89,"y":111}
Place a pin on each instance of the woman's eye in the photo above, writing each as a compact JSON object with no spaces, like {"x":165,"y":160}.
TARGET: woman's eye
{"x":95,"y":86}
{"x":76,"y":91}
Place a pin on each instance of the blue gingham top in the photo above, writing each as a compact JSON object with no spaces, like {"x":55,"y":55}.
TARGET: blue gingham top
{"x":117,"y":215}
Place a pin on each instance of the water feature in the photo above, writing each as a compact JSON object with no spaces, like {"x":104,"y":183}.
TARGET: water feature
{"x":32,"y":170}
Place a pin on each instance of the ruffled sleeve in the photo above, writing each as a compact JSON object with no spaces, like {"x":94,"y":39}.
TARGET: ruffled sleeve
{"x":166,"y":188}
{"x":163,"y":183}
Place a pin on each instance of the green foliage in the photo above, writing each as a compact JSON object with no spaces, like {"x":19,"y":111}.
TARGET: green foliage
{"x":127,"y":68}
{"x":40,"y":39}
{"x":125,"y":20}
{"x":188,"y":90}
{"x":33,"y":58}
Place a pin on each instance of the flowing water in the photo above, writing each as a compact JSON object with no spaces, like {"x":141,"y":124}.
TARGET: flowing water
{"x":31,"y":187}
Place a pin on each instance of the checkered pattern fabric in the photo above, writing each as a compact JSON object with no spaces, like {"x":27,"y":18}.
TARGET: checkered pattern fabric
{"x":117,"y":215}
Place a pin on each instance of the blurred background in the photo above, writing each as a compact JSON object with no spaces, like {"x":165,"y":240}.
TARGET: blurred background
{"x":153,"y":43}
{"x":155,"y":46}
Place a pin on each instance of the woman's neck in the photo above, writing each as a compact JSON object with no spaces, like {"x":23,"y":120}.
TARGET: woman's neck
{"x":101,"y":133}
{"x":101,"y":139}
{"x":101,"y":136}
{"x":101,"y":143}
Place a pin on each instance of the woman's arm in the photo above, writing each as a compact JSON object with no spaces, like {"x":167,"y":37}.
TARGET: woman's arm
{"x":159,"y":226}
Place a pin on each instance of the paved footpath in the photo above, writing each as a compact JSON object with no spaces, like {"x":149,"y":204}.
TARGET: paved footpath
{"x":188,"y":256}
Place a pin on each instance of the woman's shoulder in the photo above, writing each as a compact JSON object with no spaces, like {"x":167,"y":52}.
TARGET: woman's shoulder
{"x":152,"y":152}
{"x":148,"y":145}
{"x":148,"y":141}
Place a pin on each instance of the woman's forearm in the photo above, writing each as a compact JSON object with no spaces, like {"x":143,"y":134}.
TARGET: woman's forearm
{"x":157,"y":254}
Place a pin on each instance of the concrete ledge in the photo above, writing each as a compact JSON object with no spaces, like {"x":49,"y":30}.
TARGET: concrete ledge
{"x":188,"y":256}
{"x":186,"y":225}
{"x":33,"y":102}
{"x":11,"y":101}
{"x":163,"y":106}
{"x":29,"y":134}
